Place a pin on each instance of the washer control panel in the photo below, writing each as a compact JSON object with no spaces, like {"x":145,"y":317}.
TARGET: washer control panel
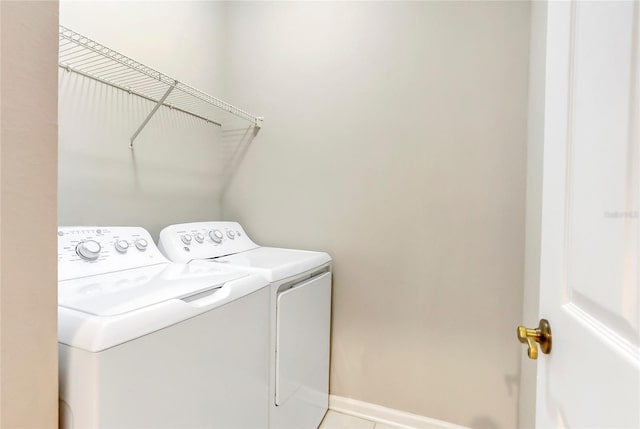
{"x":203,"y":240}
{"x":87,"y":251}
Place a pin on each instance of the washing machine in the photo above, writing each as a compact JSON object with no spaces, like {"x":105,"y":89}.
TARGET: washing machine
{"x":300,"y":306}
{"x":145,"y":343}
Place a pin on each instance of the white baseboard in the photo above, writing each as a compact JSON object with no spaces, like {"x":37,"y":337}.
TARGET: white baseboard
{"x":389,"y":416}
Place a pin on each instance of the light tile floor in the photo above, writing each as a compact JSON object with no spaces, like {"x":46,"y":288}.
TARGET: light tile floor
{"x":334,"y":420}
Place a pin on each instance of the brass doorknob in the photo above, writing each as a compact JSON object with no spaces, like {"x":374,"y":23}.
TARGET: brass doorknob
{"x":540,"y":335}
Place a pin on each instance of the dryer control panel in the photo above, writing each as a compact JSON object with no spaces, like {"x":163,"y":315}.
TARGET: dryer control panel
{"x":92,"y":250}
{"x":203,"y":240}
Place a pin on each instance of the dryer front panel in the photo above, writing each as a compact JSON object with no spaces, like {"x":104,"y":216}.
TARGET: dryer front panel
{"x":303,"y":322}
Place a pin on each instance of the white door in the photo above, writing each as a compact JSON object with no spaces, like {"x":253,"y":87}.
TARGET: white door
{"x":590,"y":237}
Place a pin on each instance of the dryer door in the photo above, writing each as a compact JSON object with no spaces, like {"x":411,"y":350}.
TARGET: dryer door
{"x":302,"y":342}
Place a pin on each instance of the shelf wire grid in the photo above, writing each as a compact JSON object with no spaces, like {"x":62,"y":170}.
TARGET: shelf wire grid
{"x":80,"y":54}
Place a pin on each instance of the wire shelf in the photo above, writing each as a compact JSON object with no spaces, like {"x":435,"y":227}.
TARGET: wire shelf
{"x":86,"y":57}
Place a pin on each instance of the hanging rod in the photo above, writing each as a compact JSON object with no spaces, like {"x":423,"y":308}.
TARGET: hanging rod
{"x":86,"y":57}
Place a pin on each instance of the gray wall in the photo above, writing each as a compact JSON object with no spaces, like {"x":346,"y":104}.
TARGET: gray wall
{"x":177,"y":170}
{"x":395,"y":139}
{"x":28,"y":168}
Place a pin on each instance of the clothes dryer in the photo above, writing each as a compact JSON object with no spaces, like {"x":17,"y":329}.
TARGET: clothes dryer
{"x":300,"y":311}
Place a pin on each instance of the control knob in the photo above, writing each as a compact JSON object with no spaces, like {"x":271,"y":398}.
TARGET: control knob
{"x":199,"y":238}
{"x":231,"y":234}
{"x":89,"y":250}
{"x":186,"y":239}
{"x":141,"y":244}
{"x":122,"y":246}
{"x":216,"y":235}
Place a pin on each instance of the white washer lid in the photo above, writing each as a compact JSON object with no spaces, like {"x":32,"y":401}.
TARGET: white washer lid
{"x":273,"y":263}
{"x":120,"y":292}
{"x":99,"y":312}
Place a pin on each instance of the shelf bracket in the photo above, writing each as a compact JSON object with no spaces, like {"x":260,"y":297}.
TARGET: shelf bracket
{"x":150,"y":115}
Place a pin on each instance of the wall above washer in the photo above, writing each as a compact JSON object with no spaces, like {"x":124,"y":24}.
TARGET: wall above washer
{"x":177,"y":170}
